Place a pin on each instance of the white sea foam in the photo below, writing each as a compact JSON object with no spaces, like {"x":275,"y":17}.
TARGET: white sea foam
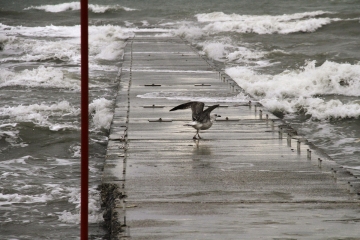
{"x":8,"y":125}
{"x":243,"y":53}
{"x":321,"y":109}
{"x":47,"y":31}
{"x":264,"y":24}
{"x":189,"y":32}
{"x":225,"y":51}
{"x":47,"y":77}
{"x":21,"y":160}
{"x":28,"y":50}
{"x":112,"y":51}
{"x":100,"y":110}
{"x":309,"y":80}
{"x":145,"y":23}
{"x":216,"y":50}
{"x":75,"y":149}
{"x":60,"y":127}
{"x":220,"y":16}
{"x":72,"y":6}
{"x":10,"y":134}
{"x":294,"y":90}
{"x":94,"y":207}
{"x":105,"y":43}
{"x":58,"y":192}
{"x":6,"y":199}
{"x":39,"y":113}
{"x":64,"y":162}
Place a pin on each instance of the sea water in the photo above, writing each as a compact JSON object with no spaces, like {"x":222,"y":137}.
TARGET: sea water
{"x":297,"y":58}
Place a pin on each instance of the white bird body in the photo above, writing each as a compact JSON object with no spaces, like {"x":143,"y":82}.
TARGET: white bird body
{"x":202,"y":126}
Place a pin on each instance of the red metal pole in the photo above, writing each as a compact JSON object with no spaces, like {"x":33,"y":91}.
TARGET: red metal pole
{"x":84,"y":120}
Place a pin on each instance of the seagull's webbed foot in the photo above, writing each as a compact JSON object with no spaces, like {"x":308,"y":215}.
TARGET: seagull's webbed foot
{"x":195,"y":138}
{"x":197,"y":133}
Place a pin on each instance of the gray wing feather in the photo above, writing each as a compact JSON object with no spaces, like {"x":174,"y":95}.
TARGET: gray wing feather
{"x":209,"y":109}
{"x":205,"y":116}
{"x":182,"y":106}
{"x":196,"y":108}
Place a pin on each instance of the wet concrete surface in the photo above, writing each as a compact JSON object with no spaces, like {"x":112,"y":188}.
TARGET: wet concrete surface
{"x":244,"y":180}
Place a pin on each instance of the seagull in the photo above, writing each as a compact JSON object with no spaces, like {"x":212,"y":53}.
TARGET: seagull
{"x":201,"y":119}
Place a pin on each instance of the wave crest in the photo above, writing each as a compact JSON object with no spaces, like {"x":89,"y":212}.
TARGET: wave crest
{"x":73,"y":6}
{"x":301,"y":89}
{"x":264,"y":24}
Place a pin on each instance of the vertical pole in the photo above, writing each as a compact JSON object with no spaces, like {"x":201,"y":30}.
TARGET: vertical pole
{"x":84,"y":120}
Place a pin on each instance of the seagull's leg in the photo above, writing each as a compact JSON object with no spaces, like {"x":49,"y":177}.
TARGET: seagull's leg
{"x":197,"y":133}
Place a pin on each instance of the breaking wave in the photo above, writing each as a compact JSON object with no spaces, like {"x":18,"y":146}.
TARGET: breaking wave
{"x":73,"y":6}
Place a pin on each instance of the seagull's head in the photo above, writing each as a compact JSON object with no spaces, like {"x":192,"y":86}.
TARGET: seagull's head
{"x":213,"y":117}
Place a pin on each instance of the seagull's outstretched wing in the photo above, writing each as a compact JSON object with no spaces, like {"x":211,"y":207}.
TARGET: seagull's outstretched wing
{"x":209,"y":109}
{"x":196,"y":108}
{"x":205,"y":116}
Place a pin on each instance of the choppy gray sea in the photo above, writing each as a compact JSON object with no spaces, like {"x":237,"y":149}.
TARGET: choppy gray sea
{"x":300,"y":58}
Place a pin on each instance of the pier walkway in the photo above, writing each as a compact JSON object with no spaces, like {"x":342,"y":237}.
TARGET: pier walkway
{"x":246,"y":179}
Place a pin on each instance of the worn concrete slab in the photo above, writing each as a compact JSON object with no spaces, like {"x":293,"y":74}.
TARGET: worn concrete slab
{"x":243,"y":221}
{"x":246,"y":179}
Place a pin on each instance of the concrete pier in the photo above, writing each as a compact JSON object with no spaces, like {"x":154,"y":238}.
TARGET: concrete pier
{"x":250,"y":177}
